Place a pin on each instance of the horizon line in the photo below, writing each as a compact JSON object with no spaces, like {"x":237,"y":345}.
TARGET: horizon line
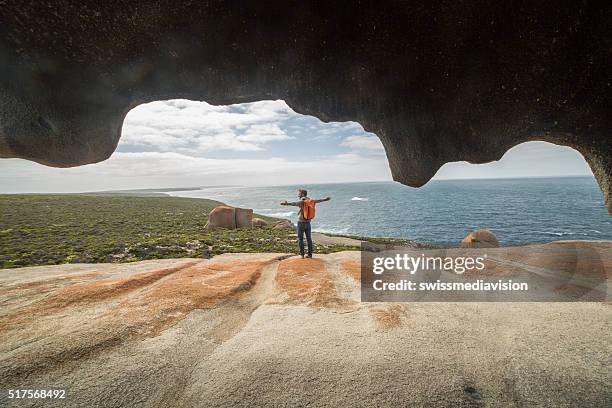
{"x":192,"y":188}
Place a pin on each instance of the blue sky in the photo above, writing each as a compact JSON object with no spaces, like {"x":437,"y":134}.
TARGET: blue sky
{"x":179,"y":143}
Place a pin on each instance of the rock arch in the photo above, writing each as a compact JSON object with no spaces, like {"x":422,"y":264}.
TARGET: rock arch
{"x":436,"y":82}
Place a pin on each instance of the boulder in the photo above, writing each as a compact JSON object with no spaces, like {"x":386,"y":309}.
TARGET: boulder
{"x":284,"y":224}
{"x":244,"y":217}
{"x":225,"y":216}
{"x":258,"y":222}
{"x":480,"y":239}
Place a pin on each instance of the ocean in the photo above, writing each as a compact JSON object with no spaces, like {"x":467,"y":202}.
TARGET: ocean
{"x":518,"y":211}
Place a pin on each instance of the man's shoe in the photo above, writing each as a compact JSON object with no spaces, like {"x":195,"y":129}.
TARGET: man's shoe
{"x":309,"y":256}
{"x":302,"y":256}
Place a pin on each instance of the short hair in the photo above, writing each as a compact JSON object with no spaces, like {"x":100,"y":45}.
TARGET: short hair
{"x":302,"y":191}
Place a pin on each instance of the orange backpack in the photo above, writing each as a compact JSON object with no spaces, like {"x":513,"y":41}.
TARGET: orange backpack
{"x":308,"y":209}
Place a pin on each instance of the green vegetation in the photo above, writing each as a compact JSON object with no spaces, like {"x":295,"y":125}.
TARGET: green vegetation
{"x":56,"y":229}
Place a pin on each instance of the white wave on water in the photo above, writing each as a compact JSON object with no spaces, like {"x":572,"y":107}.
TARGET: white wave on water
{"x":562,"y":233}
{"x":559,"y":234}
{"x":359,"y":199}
{"x":332,"y":230}
{"x":279,"y":214}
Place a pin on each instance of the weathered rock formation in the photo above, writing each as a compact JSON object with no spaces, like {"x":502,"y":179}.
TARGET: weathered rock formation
{"x":436,"y":81}
{"x":258,"y":222}
{"x":480,"y":239}
{"x":230,"y":217}
{"x":284,"y":224}
{"x":263,"y":330}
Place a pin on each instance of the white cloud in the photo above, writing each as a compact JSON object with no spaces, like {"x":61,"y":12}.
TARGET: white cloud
{"x":197,"y":127}
{"x":359,"y":142}
{"x":531,"y":159}
{"x":171,"y":169}
{"x":264,"y":133}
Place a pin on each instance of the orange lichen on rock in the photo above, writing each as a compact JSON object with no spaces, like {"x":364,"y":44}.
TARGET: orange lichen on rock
{"x":98,"y":290}
{"x":589,"y":259}
{"x":85,"y":293}
{"x":50,"y":283}
{"x":154,"y":302}
{"x":580,"y":292}
{"x":108,"y":312}
{"x":200,"y":286}
{"x":388,"y":316}
{"x":207,"y":283}
{"x":352,"y":269}
{"x":305,"y":281}
{"x":493,"y":268}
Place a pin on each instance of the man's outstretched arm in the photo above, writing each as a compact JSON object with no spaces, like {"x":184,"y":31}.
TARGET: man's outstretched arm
{"x":295,"y":203}
{"x":322,"y":200}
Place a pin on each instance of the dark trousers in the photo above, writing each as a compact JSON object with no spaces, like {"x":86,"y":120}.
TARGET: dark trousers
{"x":304,"y":228}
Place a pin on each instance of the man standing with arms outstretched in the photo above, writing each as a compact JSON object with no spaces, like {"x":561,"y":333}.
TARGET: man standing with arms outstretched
{"x":306,"y":213}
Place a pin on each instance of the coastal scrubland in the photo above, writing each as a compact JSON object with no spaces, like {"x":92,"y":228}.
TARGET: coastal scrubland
{"x":40,"y":229}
